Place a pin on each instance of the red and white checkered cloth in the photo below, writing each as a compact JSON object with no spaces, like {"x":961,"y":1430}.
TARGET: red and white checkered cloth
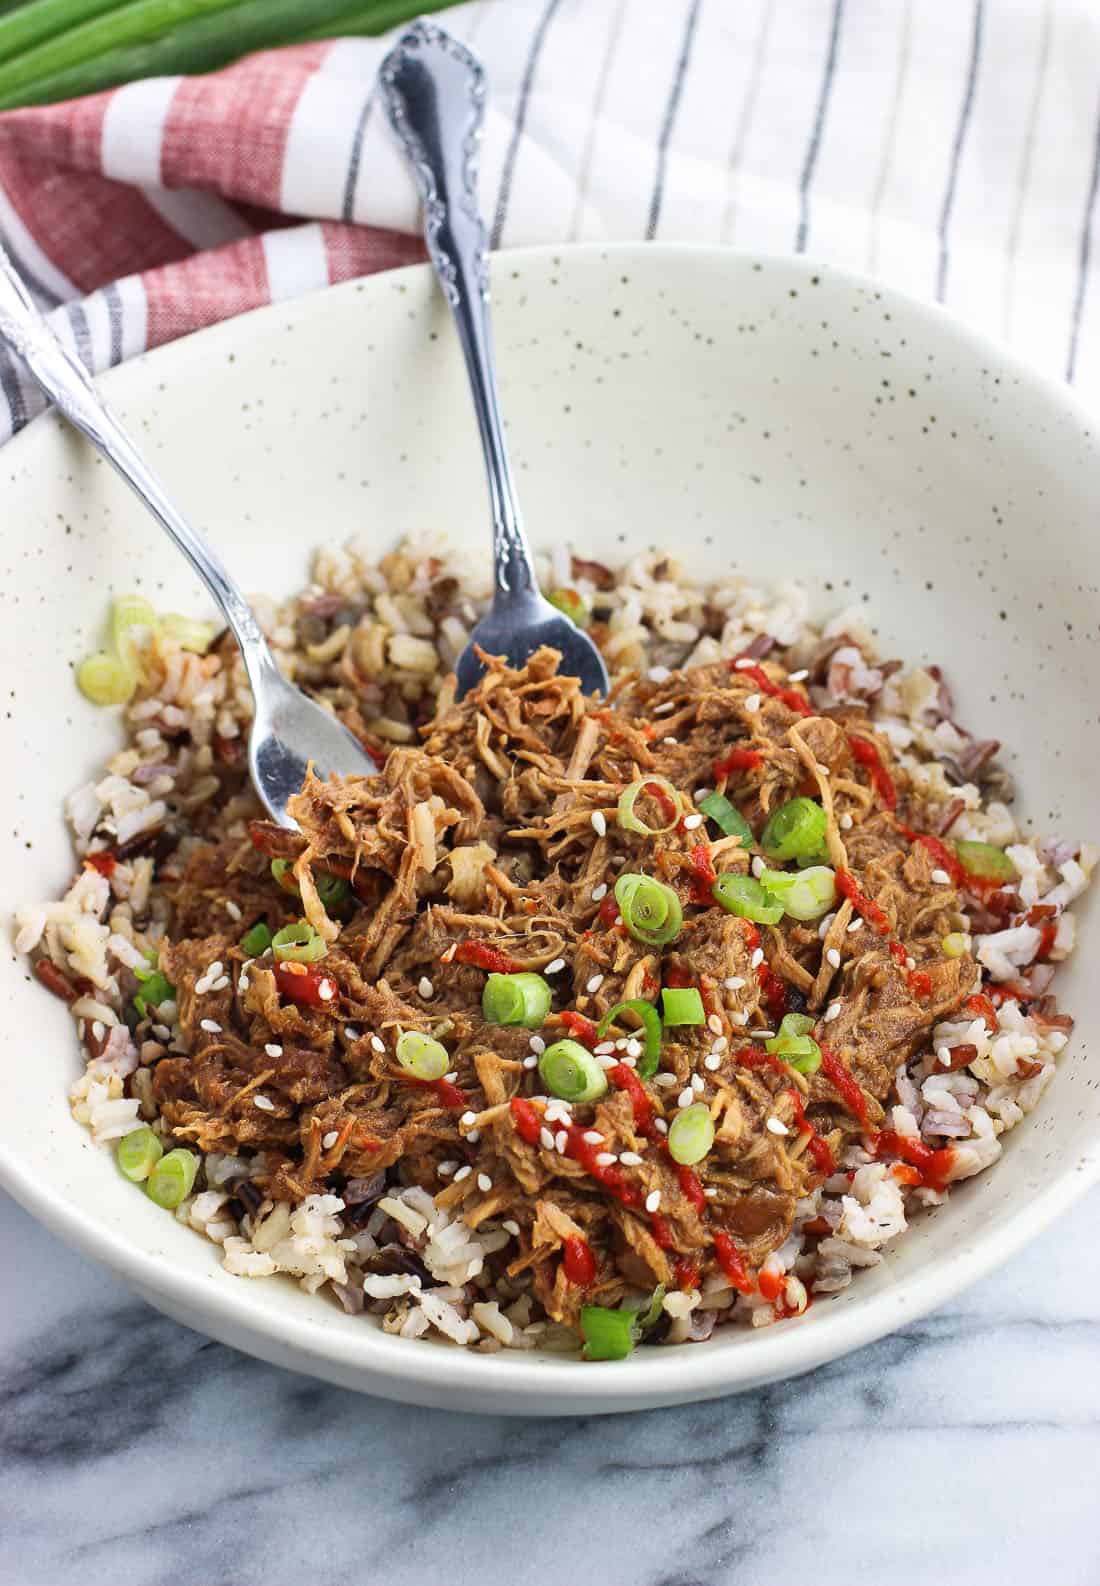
{"x":951,"y":147}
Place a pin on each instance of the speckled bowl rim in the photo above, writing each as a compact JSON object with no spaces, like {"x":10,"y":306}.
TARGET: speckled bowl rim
{"x":514,"y":1383}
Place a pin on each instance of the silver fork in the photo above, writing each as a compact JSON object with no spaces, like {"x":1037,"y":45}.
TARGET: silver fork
{"x":288,"y":730}
{"x":434,"y":93}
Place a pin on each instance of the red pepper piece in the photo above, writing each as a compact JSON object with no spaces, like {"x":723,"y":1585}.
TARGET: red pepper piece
{"x":685,"y":1273}
{"x":732,"y":1263}
{"x":790,"y":697}
{"x":662,"y":1233}
{"x":737,"y":760}
{"x":692,"y":1188}
{"x":770,"y":1283}
{"x":301,"y":983}
{"x":578,"y":1261}
{"x":920,"y":982}
{"x":982,"y":1008}
{"x":870,"y":910}
{"x":773,"y":989}
{"x":843,"y":1083}
{"x":866,"y":754}
{"x":580,"y":1028}
{"x":609,"y":911}
{"x":933,"y":1166}
{"x":626,"y":1079}
{"x":102,"y":860}
{"x":704,"y":876}
{"x":526,"y":1119}
{"x":483,"y":956}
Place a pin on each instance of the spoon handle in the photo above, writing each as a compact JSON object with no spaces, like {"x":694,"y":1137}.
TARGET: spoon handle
{"x":66,"y":382}
{"x":434,"y":93}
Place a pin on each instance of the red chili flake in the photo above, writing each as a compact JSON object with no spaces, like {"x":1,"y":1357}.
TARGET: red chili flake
{"x":737,"y":760}
{"x":310,"y":987}
{"x":578,"y":1262}
{"x":580,"y":1028}
{"x":773,"y":988}
{"x":898,"y":953}
{"x":790,"y":697}
{"x":609,"y":911}
{"x":692,"y":1188}
{"x":933,"y":1166}
{"x":750,"y":933}
{"x":871,"y":912}
{"x":732,"y":1263}
{"x":704,"y":875}
{"x":526,"y":1119}
{"x":752,"y":1057}
{"x":982,"y":1008}
{"x":770,"y":1283}
{"x":676,"y":977}
{"x":662,"y":1233}
{"x":843,"y":1083}
{"x":866,"y":754}
{"x":483,"y":956}
{"x":685,"y":1273}
{"x":668,"y":805}
{"x":920,"y":982}
{"x":102,"y":860}
{"x":816,"y":1147}
{"x":447,"y":1093}
{"x":626,"y":1079}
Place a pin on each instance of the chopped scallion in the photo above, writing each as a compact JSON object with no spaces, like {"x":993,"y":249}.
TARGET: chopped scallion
{"x":257,"y":940}
{"x":794,"y":1045}
{"x":522,"y":998}
{"x":804,"y":894}
{"x":682,"y":1005}
{"x":719,"y":809}
{"x":651,"y":912}
{"x":796,"y":831}
{"x":569,"y":1070}
{"x":651,"y":1023}
{"x":172,"y":1178}
{"x":422,"y":1057}
{"x":298,"y":943}
{"x":986,"y":861}
{"x":332,"y":890}
{"x":745,"y":897}
{"x":691,"y":1134}
{"x":155,"y":989}
{"x":569,"y":602}
{"x":662,"y":792}
{"x":105,"y":680}
{"x":137,"y":1153}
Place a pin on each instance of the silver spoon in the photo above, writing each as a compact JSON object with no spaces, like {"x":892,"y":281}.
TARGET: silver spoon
{"x":434,"y":93}
{"x":289,"y":731}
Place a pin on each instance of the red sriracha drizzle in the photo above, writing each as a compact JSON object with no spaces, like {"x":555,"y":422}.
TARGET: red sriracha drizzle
{"x":610,"y":1175}
{"x":483,"y":956}
{"x":305,"y":985}
{"x":933,"y":1166}
{"x":704,"y":876}
{"x":448,"y":1093}
{"x":843,"y":1083}
{"x":580,"y":1028}
{"x":866,"y":755}
{"x":870,"y":911}
{"x":578,"y":1261}
{"x":732,"y":1262}
{"x":789,"y":696}
{"x":773,"y":988}
{"x":608,"y":914}
{"x":737,"y":760}
{"x":102,"y":860}
{"x":668,"y":805}
{"x":940,"y":852}
{"x":816,"y":1148}
{"x":526,"y":1119}
{"x":685,"y":1273}
{"x":626,"y":1079}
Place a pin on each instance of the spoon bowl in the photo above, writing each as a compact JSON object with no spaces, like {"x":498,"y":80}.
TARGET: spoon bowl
{"x":520,"y":628}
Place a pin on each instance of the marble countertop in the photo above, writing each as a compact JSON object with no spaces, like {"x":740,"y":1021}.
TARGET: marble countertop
{"x":136,"y":1453}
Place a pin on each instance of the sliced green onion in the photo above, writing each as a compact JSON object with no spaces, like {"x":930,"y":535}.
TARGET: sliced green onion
{"x":651,"y":911}
{"x":983,"y":859}
{"x":805,"y":894}
{"x":516,"y":999}
{"x":651,"y":1023}
{"x":282,"y":874}
{"x":691,"y":1134}
{"x":257,"y":940}
{"x":172,"y":1178}
{"x":719,"y":809}
{"x":569,"y":1070}
{"x":332,"y":890}
{"x":298,"y":942}
{"x":155,"y":989}
{"x":608,"y":1334}
{"x":795,"y":831}
{"x":137,"y":1154}
{"x":422,"y":1057}
{"x":657,"y":788}
{"x":682,"y":1005}
{"x":650,"y":1315}
{"x":794,"y":1045}
{"x":745,"y":897}
{"x":105,"y":680}
{"x":956,"y":943}
{"x":189,"y":633}
{"x":569,"y":602}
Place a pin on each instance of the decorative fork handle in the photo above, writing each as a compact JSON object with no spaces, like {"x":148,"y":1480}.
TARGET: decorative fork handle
{"x":434,"y":93}
{"x":66,"y":382}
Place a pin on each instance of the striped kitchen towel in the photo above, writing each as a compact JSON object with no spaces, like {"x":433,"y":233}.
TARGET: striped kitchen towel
{"x":950,"y":147}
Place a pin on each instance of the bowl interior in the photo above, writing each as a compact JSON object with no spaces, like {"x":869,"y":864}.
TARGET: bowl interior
{"x":741,"y":413}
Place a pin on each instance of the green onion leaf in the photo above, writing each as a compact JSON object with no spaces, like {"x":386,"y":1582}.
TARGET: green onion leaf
{"x":806,"y":894}
{"x":257,"y":940}
{"x":282,"y":873}
{"x":796,"y":831}
{"x":105,"y":680}
{"x":155,"y":989}
{"x":983,"y":859}
{"x":422,"y":1057}
{"x":745,"y":897}
{"x":569,"y":1070}
{"x":189,"y":633}
{"x":956,"y":943}
{"x":137,"y":1154}
{"x":662,"y":792}
{"x":332,"y":890}
{"x":650,"y":1315}
{"x":299,"y":942}
{"x":608,"y":1334}
{"x":516,"y":999}
{"x":172,"y":1178}
{"x":569,"y":602}
{"x":793,"y":1043}
{"x":651,"y":1023}
{"x":651,"y":911}
{"x":719,"y":809}
{"x":691,"y":1134}
{"x":682,"y":1005}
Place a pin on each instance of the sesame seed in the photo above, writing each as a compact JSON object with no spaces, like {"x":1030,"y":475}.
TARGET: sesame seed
{"x":758,"y":867}
{"x":757,"y":957}
{"x":721,"y":1044}
{"x":846,"y":822}
{"x":670,"y":740}
{"x":712,"y":1061}
{"x":620,"y":1044}
{"x":665,"y":709}
{"x":474,"y":1136}
{"x":733,"y":982}
{"x":700,"y":794}
{"x":762,"y":1035}
{"x":273,"y":1049}
{"x":555,"y":966}
{"x":710,"y":1193}
{"x":604,"y":1048}
{"x":537,"y":1044}
{"x":664,"y":1078}
{"x":211,"y":1026}
{"x":264,"y":1104}
{"x":686,"y":1097}
{"x":832,"y":1012}
{"x":660,"y":1125}
{"x":605,"y":1158}
{"x":629,"y":1062}
{"x":561,"y":1140}
{"x":546,"y":1139}
{"x":463,"y":1172}
{"x":378,"y":1044}
{"x":740,"y":1018}
{"x":633,"y":1048}
{"x":445,"y":1169}
{"x":425,"y":988}
{"x":599,"y":823}
{"x":221,"y":983}
{"x":743,"y":662}
{"x":467,"y":1118}
{"x":510,"y":1226}
{"x":350,"y":1034}
{"x":823,"y":769}
{"x":593,"y":1136}
{"x":799,"y":676}
{"x":451,"y":1077}
{"x":594,"y":984}
{"x":854,"y":925}
{"x":653,"y":1201}
{"x":330,"y":1139}
{"x":833,"y":957}
{"x":941,"y":878}
{"x":531,"y":1061}
{"x":215,"y":969}
{"x":697,"y":1083}
{"x":630,"y":1159}
{"x":484,"y":1183}
{"x":910,"y":963}
{"x":243,"y":984}
{"x":605,"y":1061}
{"x":658,"y":674}
{"x":691,"y":822}
{"x":776,"y":1126}
{"x":599,"y":892}
{"x":326,"y":991}
{"x":232,"y":909}
{"x":752,"y":704}
{"x":714,"y":1023}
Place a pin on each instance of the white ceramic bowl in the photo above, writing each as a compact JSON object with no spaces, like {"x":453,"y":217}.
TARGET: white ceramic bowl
{"x":758,"y":413}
